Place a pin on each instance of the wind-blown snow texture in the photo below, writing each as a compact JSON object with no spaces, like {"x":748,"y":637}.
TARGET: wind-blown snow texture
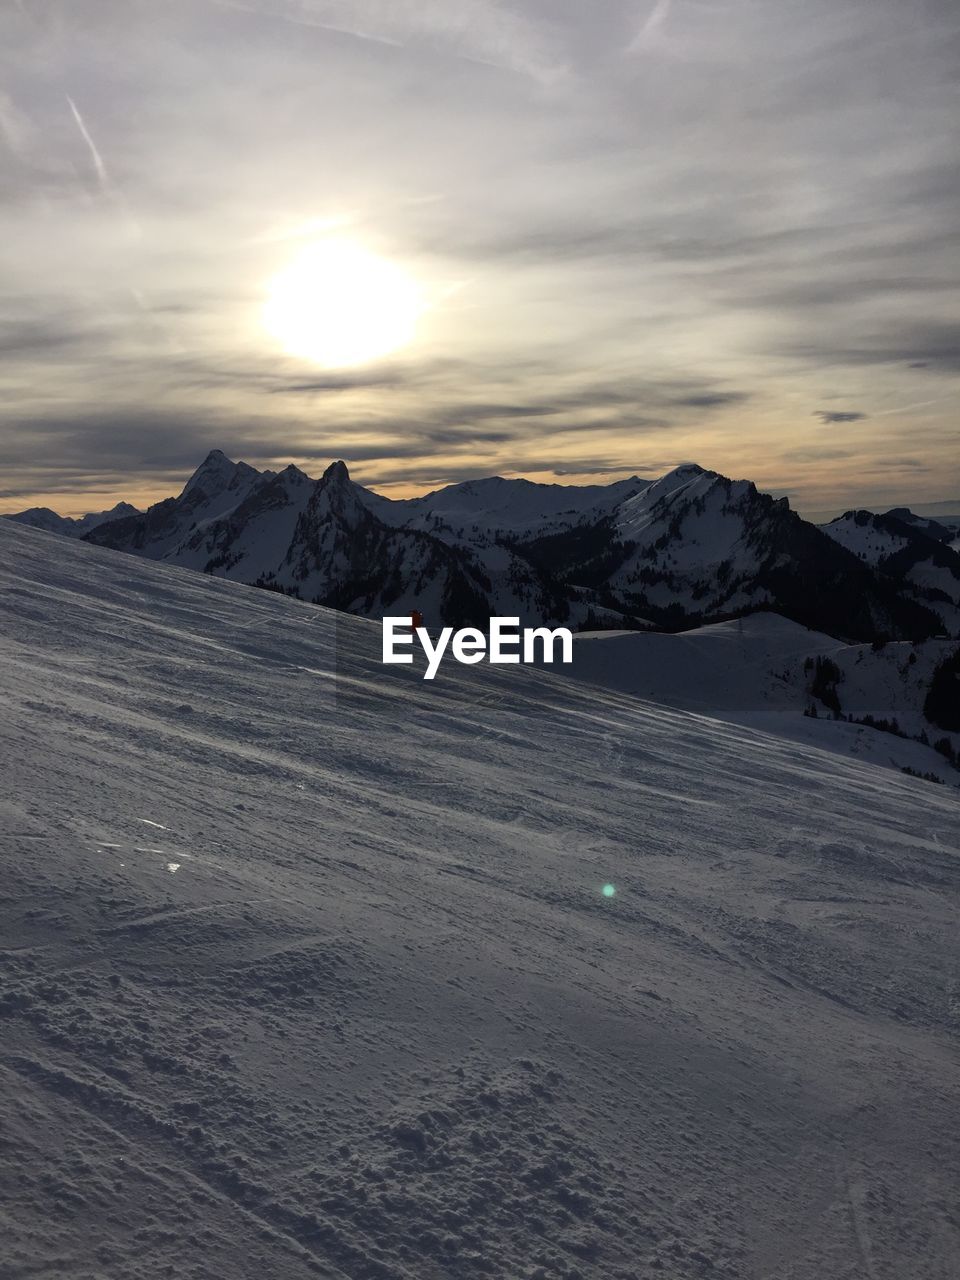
{"x":307,"y":970}
{"x":761,"y":671}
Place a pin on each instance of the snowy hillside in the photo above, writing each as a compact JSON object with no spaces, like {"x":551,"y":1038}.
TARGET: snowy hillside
{"x":307,"y":969}
{"x":761,"y":671}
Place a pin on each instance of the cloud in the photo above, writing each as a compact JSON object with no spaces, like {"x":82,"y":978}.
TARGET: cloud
{"x":898,"y":464}
{"x":623,"y":423}
{"x":419,"y":475}
{"x":624,"y":254}
{"x":591,"y":467}
{"x":711,"y":399}
{"x":35,"y":339}
{"x":475,"y":30}
{"x":932,"y":344}
{"x":814,"y":454}
{"x":838,"y":415}
{"x":337,"y":382}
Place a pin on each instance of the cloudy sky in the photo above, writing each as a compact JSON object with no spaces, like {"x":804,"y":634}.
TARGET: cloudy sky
{"x":637,"y":233}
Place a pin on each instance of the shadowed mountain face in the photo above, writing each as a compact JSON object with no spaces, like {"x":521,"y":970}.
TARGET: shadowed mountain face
{"x":695,"y":546}
{"x":689,"y":548}
{"x":946,"y":529}
{"x":913,"y":552}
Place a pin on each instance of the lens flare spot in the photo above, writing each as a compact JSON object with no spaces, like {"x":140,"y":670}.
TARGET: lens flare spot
{"x":609,"y":890}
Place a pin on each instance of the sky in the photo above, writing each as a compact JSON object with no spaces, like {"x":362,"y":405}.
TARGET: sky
{"x":637,"y":234}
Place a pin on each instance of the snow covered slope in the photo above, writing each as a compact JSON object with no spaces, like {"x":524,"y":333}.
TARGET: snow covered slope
{"x":307,"y":971}
{"x":761,"y":671}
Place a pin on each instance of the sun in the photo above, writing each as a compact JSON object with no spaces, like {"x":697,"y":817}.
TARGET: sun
{"x":337,"y":304}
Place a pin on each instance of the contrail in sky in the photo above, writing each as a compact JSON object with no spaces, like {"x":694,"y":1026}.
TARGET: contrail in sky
{"x":906,"y":408}
{"x":99,"y":166}
{"x":651,"y":25}
{"x":304,"y":18}
{"x":474,"y":30}
{"x":107,"y":186}
{"x":109,"y":189}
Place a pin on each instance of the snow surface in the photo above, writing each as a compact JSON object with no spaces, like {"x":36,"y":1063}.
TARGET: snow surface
{"x":752,"y":671}
{"x":307,"y":968}
{"x":868,"y":541}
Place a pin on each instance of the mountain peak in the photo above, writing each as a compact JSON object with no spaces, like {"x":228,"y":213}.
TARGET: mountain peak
{"x":214,"y":473}
{"x":679,"y":479}
{"x":336,"y":473}
{"x":292,"y":472}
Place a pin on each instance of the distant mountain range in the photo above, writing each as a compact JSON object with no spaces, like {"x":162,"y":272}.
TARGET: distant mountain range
{"x":690,"y":548}
{"x":50,"y":522}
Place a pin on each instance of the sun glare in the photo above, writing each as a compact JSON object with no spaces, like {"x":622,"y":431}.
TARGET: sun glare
{"x":337,"y":304}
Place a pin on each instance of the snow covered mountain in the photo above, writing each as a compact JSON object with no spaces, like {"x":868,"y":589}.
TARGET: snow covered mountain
{"x":307,"y":968}
{"x":916,"y":553}
{"x":483,"y":512}
{"x":327,"y":541}
{"x":216,"y":488}
{"x":50,"y":522}
{"x":695,"y":546}
{"x":690,"y":548}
